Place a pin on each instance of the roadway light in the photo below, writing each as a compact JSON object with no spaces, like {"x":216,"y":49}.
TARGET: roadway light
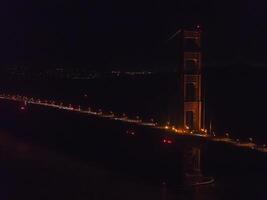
{"x":166,"y":127}
{"x":250,"y":139}
{"x":180,"y":130}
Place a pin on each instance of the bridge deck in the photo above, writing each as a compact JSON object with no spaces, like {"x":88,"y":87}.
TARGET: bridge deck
{"x":136,"y":122}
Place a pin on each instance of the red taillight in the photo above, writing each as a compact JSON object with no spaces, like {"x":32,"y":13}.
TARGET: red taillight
{"x":167,"y":141}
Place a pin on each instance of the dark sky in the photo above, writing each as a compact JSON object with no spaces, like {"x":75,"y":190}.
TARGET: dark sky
{"x":129,"y":32}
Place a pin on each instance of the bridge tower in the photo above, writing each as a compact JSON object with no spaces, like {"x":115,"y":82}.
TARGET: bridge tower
{"x":191,"y":79}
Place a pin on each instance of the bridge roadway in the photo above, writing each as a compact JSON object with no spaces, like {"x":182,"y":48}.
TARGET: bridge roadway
{"x":170,"y":129}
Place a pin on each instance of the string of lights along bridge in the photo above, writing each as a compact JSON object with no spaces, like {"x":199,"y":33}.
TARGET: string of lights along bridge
{"x":138,"y":121}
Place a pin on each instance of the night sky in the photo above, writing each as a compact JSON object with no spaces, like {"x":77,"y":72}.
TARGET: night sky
{"x":128,"y":33}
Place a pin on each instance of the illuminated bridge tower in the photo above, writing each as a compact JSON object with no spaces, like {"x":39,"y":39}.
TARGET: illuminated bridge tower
{"x":191,"y":80}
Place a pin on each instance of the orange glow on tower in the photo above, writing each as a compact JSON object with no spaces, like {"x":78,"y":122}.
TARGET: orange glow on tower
{"x":192,"y":80}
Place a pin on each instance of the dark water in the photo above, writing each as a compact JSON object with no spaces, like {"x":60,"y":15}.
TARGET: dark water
{"x":34,"y":173}
{"x":30,"y":172}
